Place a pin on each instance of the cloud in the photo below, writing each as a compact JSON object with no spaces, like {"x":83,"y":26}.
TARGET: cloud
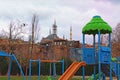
{"x":66,"y":12}
{"x":117,"y":2}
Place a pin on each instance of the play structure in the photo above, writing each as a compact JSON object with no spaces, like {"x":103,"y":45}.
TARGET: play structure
{"x":97,"y":54}
{"x":45,"y":61}
{"x":12,"y":58}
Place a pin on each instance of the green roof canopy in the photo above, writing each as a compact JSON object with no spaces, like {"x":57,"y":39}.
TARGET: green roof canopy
{"x":95,"y":25}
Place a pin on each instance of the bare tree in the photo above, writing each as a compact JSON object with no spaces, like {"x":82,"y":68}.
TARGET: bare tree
{"x":3,"y":34}
{"x":35,"y":31}
{"x":116,"y":34}
{"x":104,"y":39}
{"x":15,"y":32}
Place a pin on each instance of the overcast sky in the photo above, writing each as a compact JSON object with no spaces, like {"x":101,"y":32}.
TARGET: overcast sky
{"x":75,"y":13}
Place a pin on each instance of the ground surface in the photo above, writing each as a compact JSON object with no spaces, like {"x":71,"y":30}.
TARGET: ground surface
{"x":42,"y":78}
{"x":33,"y":78}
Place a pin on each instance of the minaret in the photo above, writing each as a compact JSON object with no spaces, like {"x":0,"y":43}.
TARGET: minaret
{"x":49,"y":31}
{"x":71,"y":33}
{"x":63,"y":36}
{"x":54,"y":27}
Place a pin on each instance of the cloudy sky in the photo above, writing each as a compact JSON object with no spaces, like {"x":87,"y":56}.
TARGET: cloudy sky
{"x":75,"y":13}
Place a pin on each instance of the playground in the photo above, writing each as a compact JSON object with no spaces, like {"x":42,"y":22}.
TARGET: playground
{"x":97,"y":55}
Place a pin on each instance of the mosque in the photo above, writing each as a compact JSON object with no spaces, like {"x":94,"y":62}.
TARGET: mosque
{"x":54,"y":47}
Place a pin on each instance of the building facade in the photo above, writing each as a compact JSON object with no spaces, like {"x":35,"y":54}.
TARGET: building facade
{"x":54,"y":47}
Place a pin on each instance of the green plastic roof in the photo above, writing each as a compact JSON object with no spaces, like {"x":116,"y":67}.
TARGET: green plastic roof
{"x":95,"y":25}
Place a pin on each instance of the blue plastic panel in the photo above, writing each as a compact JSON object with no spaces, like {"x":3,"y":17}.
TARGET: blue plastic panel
{"x":105,"y":55}
{"x":89,"y":55}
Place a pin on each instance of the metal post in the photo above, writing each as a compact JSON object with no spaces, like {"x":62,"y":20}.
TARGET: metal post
{"x":39,"y":69}
{"x":63,"y":66}
{"x":110,"y":44}
{"x":9,"y":71}
{"x":54,"y":70}
{"x":99,"y":63}
{"x":83,"y":45}
{"x":94,"y":72}
{"x":94,"y":57}
{"x":110,"y":70}
{"x":30,"y":70}
{"x":118,"y":70}
{"x":50,"y":69}
{"x":94,"y":41}
{"x":83,"y":73}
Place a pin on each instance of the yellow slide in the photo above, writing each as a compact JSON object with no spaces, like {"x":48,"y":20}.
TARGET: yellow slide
{"x":72,"y":70}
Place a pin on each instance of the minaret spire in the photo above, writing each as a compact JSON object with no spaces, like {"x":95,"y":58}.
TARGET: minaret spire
{"x":70,"y":33}
{"x":63,"y":36}
{"x":54,"y":29}
{"x":50,"y":31}
{"x":55,"y":21}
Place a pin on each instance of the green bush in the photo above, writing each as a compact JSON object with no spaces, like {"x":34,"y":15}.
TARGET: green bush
{"x":4,"y":67}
